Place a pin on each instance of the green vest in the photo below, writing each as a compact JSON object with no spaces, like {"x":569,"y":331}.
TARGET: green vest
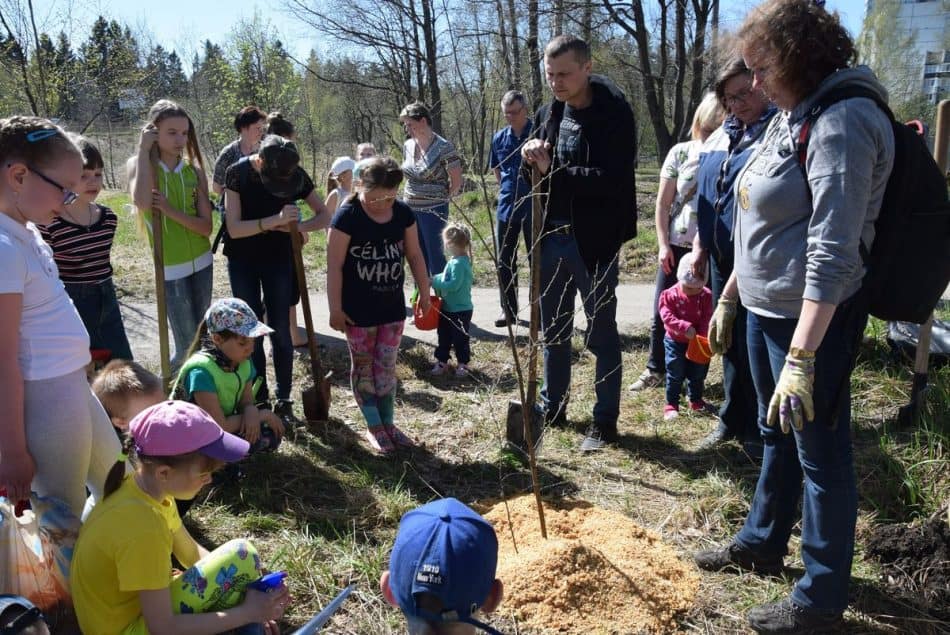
{"x":229,"y":384}
{"x":184,"y":250}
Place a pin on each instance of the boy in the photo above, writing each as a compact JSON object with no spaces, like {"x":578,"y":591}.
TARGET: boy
{"x":125,"y":388}
{"x":442,"y":569}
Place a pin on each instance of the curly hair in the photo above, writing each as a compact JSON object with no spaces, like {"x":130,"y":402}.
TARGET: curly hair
{"x":806,"y":42}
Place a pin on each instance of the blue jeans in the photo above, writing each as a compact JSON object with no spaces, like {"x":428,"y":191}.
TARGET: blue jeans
{"x":186,"y":301}
{"x":821,"y":453}
{"x":99,"y":310}
{"x":431,"y":221}
{"x":656,"y":362}
{"x":274,"y":278}
{"x":563,"y":274}
{"x":508,"y":233}
{"x":453,"y":333}
{"x":737,"y":413}
{"x":679,"y":368}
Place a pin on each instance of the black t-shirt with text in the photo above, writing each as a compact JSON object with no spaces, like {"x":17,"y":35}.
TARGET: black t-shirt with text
{"x":374,"y":268}
{"x":258,"y":202}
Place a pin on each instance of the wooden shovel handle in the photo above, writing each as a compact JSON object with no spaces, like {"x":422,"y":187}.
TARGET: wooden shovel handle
{"x":297,"y":244}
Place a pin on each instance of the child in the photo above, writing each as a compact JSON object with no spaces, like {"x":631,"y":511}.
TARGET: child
{"x":121,"y":578}
{"x":454,"y":285}
{"x":442,"y":569}
{"x":44,"y":347}
{"x":685,"y":309}
{"x":81,"y":238}
{"x":339,"y":182}
{"x":365,"y":150}
{"x":218,"y":374}
{"x":160,"y":178}
{"x":370,"y":235}
{"x":279,"y":125}
{"x":125,"y":388}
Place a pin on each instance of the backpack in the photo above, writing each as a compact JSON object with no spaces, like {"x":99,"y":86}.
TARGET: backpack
{"x":908,"y":265}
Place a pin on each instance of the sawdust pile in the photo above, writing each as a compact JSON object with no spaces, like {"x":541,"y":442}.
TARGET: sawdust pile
{"x":598,"y":572}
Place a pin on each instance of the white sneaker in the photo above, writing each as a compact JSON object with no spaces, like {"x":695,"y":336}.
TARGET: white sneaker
{"x":648,"y":379}
{"x":462,"y":370}
{"x":439,"y":369}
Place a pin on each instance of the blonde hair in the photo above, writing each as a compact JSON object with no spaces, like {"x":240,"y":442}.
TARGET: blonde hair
{"x":708,"y":116}
{"x":120,"y":380}
{"x":458,"y":235}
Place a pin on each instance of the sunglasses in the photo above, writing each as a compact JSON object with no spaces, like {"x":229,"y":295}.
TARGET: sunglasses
{"x":69,"y":197}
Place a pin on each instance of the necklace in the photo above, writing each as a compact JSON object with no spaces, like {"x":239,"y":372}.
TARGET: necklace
{"x":89,"y":222}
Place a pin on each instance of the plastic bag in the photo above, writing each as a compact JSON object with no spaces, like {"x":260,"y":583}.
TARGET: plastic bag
{"x":35,"y":551}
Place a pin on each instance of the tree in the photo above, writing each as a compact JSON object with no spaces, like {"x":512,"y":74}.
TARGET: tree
{"x":891,"y":51}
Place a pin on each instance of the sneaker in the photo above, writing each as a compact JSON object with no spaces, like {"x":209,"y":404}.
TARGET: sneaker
{"x":284,"y":408}
{"x":462,"y":370}
{"x":648,"y":379}
{"x":717,"y":437}
{"x":399,"y":438}
{"x":439,"y":368}
{"x":598,"y":436}
{"x":703,"y":406}
{"x":380,"y":440}
{"x":670,"y":412}
{"x":785,"y":616}
{"x":503,"y":320}
{"x":737,"y":558}
{"x":543,"y":418}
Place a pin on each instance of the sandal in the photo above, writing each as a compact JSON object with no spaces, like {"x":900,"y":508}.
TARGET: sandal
{"x":380,"y":440}
{"x":398,"y":437}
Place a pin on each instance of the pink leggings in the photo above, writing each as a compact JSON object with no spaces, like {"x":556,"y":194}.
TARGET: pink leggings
{"x":373,"y":351}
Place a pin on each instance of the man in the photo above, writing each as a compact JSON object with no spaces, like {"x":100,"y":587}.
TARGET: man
{"x":514,"y":200}
{"x":442,"y":569}
{"x":584,"y":148}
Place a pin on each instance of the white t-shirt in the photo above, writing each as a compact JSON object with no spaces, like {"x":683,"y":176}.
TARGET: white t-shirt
{"x":53,"y":340}
{"x":681,"y":164}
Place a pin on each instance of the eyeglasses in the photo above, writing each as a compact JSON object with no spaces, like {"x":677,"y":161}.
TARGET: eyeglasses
{"x":69,"y":197}
{"x":512,"y":113}
{"x":383,"y":199}
{"x":740,"y":97}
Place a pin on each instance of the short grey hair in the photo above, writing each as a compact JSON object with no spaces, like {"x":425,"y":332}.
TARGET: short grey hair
{"x":511,"y":97}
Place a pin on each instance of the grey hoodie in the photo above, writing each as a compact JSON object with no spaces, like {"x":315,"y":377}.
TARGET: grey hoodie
{"x":790,"y":245}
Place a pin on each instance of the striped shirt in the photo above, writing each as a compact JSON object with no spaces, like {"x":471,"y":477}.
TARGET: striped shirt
{"x":82,"y":253}
{"x":427,"y":178}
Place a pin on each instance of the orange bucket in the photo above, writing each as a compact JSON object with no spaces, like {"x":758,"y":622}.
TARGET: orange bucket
{"x":698,"y":350}
{"x":429,"y":320}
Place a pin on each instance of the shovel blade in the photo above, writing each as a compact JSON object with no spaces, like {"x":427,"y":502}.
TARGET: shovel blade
{"x":514,"y":429}
{"x":316,"y":401}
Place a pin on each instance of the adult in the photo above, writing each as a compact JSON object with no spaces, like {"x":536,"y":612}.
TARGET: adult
{"x":798,"y":268}
{"x":584,"y":145}
{"x":249,"y":123}
{"x":281,"y":126}
{"x":676,"y":220}
{"x":260,"y":201}
{"x":433,"y":172}
{"x":514,"y":200}
{"x":724,"y":156}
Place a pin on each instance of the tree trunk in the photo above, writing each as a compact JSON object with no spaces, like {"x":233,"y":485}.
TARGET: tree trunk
{"x":558,"y":17}
{"x":432,"y":65}
{"x":503,"y":45}
{"x":534,"y":54}
{"x":587,"y":18}
{"x":515,"y":46}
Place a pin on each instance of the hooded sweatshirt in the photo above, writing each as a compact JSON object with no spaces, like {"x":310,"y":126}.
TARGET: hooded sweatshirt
{"x":796,"y":241}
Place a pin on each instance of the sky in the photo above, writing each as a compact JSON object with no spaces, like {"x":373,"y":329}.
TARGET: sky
{"x":184,"y":24}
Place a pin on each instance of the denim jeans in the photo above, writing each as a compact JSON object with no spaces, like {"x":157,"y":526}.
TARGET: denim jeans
{"x":186,"y":300}
{"x":453,"y":333}
{"x":272,"y":276}
{"x":679,"y":368}
{"x":737,"y":413}
{"x":563,"y":274}
{"x":431,"y":221}
{"x":99,"y":310}
{"x":821,"y":453}
{"x":656,"y":362}
{"x":508,"y":232}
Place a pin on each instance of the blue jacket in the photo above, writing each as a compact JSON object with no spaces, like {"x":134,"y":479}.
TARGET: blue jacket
{"x":513,"y":190}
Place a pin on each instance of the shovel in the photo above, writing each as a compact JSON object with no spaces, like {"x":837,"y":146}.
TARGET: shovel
{"x":316,"y":398}
{"x":158,"y":259}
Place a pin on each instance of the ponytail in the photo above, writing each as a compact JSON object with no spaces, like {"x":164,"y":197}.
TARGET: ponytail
{"x":117,"y":473}
{"x":332,"y":182}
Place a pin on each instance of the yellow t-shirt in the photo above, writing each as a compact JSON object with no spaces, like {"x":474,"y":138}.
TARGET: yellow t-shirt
{"x":124,"y":547}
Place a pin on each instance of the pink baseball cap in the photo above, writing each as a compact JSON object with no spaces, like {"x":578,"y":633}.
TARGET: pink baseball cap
{"x":173,"y":428}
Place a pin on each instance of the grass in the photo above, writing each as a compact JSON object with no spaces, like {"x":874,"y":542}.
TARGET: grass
{"x":326,"y":510}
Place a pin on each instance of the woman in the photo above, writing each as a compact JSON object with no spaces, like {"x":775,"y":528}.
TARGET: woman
{"x":726,"y":153}
{"x":249,"y":124}
{"x":433,"y":173}
{"x":799,"y":270}
{"x":261,"y":192}
{"x":676,"y":219}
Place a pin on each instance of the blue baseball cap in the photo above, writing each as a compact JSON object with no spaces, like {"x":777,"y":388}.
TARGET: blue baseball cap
{"x":28,"y":616}
{"x":447,"y":550}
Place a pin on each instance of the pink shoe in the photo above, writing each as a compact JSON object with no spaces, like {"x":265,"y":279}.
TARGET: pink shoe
{"x":398,"y":437}
{"x":670,"y":412}
{"x":380,"y":440}
{"x":703,"y":406}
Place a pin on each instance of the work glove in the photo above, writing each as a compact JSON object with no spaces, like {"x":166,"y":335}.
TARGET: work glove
{"x":720,"y":326}
{"x":792,"y":403}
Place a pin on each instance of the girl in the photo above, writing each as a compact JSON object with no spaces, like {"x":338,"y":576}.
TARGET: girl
{"x":44,"y":347}
{"x":81,"y":239}
{"x":370,"y":235}
{"x":339,"y":182}
{"x":160,"y":178}
{"x":454,"y":285}
{"x":219,"y":376}
{"x":121,"y":578}
{"x":685,"y":309}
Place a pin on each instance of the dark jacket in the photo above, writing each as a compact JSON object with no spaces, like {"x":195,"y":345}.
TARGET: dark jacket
{"x":599,"y":196}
